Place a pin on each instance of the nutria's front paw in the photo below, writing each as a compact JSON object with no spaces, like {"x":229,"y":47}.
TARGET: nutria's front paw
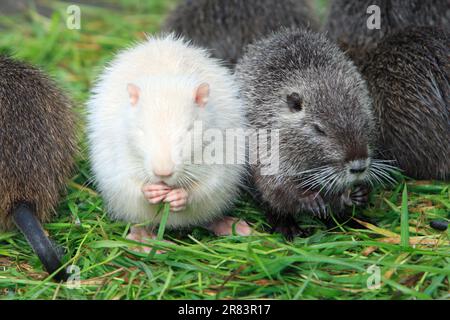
{"x":314,"y":203}
{"x":155,"y":193}
{"x":359,"y":195}
{"x":178,"y":199}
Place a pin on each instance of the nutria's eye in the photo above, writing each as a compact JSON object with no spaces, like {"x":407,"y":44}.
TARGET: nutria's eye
{"x":295,"y":102}
{"x":319,"y":130}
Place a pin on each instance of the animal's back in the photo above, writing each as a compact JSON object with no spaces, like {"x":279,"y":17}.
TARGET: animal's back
{"x":408,"y":76}
{"x":36,"y":137}
{"x":227,"y":26}
{"x":347,"y":23}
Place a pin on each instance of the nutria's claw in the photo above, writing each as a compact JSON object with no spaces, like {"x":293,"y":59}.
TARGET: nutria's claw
{"x":359,"y":196}
{"x":314,"y":203}
{"x":288,"y":231}
{"x":288,"y":227}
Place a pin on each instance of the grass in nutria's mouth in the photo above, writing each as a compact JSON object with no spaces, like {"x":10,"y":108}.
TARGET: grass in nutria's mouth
{"x":395,"y":256}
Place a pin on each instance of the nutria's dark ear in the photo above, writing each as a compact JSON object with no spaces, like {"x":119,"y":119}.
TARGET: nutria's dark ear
{"x":294,"y":102}
{"x":133,"y":92}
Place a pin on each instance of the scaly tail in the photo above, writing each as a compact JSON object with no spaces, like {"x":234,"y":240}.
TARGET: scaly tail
{"x":26,"y":221}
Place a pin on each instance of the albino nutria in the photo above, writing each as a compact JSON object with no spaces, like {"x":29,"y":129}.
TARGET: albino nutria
{"x":142,"y":116}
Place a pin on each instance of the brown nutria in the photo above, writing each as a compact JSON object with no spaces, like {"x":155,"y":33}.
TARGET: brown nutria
{"x":226,"y":27}
{"x":408,"y":77}
{"x":347,"y":21}
{"x":38,"y":144}
{"x":301,"y":85}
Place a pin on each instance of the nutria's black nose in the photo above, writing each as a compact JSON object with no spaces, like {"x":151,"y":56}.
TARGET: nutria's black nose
{"x":358,"y":170}
{"x":358,"y":166}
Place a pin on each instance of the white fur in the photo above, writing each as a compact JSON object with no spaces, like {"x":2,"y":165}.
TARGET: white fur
{"x":125,"y":141}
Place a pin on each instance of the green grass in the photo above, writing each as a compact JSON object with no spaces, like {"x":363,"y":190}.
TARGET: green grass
{"x":331,"y":264}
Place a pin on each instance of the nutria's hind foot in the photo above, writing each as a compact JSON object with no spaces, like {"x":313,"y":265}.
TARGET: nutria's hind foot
{"x":140,"y":234}
{"x":287,"y":227}
{"x":226,"y":225}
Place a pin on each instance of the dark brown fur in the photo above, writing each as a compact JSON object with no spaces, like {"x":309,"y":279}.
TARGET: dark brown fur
{"x":408,"y":77}
{"x":37,"y":140}
{"x":347,"y":21}
{"x":331,"y":128}
{"x":226,"y":27}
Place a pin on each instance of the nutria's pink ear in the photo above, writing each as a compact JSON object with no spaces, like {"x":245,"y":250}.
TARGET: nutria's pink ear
{"x":202,"y":95}
{"x":134,"y":92}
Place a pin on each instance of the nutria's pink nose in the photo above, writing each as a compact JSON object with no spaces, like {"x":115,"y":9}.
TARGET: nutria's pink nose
{"x":163,"y":165}
{"x":163,"y":172}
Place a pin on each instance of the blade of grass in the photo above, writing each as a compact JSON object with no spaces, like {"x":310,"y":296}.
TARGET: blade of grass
{"x":162,"y":224}
{"x":162,"y":227}
{"x":404,"y":222}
